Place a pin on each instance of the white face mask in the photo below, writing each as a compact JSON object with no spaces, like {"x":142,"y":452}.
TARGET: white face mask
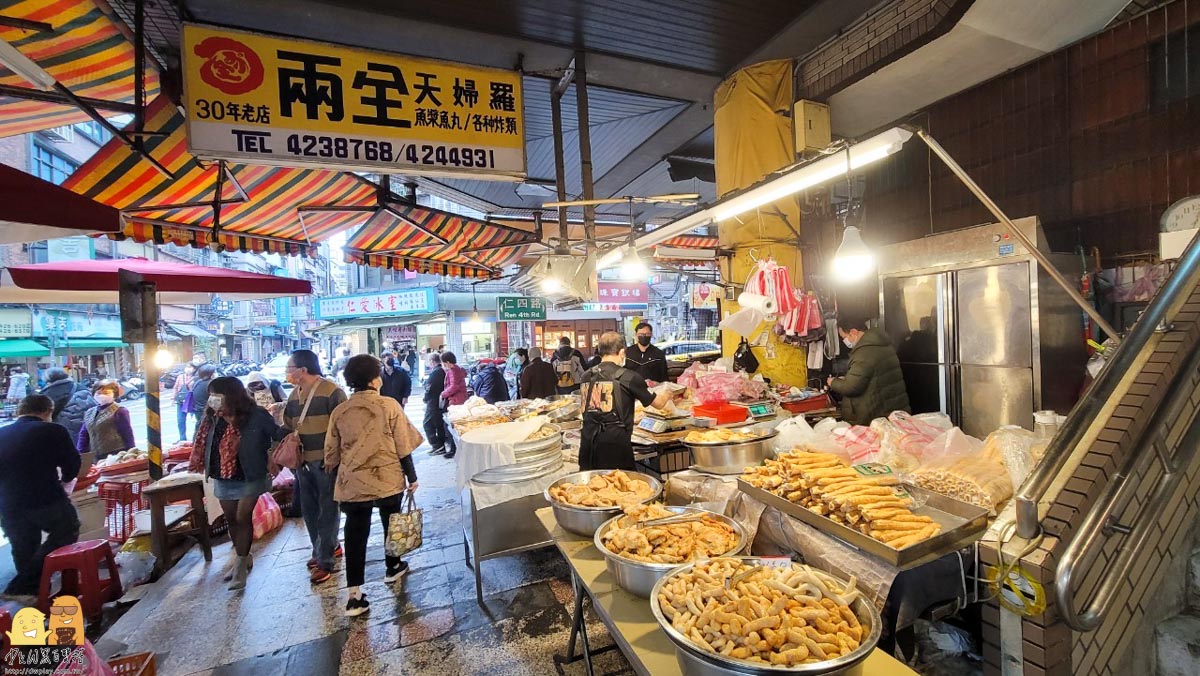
{"x":104,"y":399}
{"x":849,"y":343}
{"x":216,"y":402}
{"x":264,"y":398}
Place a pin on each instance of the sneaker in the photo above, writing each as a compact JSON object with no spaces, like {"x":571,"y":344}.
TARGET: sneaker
{"x":449,"y":456}
{"x":319,"y":575}
{"x":312,"y":563}
{"x":338,"y":552}
{"x":356,"y":607}
{"x":441,"y":450}
{"x":396,"y":573}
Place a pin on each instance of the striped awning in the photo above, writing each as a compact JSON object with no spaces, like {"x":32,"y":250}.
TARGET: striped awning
{"x":693,"y":242}
{"x":86,"y":52}
{"x":421,"y":239}
{"x":261,"y":206}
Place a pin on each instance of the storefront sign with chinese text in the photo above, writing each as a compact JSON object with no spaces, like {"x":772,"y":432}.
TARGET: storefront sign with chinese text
{"x":399,"y":334}
{"x":622,"y":293}
{"x":287,"y":101}
{"x":398,"y":302}
{"x":704,"y":297}
{"x":66,"y":324}
{"x":520,"y":309}
{"x":15,"y":323}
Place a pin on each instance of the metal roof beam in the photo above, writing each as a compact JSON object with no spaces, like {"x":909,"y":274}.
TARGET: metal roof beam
{"x":377,"y":30}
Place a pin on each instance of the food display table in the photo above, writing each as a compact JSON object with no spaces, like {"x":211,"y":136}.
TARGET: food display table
{"x":629,"y":619}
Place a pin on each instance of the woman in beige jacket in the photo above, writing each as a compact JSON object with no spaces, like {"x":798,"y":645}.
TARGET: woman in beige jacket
{"x":369,"y":443}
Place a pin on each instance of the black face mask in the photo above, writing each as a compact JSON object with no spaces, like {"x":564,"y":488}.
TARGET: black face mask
{"x":643,"y":340}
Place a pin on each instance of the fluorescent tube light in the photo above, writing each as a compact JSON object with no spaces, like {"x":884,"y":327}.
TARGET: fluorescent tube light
{"x":25,"y":68}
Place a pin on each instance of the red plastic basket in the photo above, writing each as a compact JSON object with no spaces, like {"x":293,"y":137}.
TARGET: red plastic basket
{"x":122,"y":499}
{"x":815,"y":403}
{"x":724,"y":414}
{"x":140,"y":664}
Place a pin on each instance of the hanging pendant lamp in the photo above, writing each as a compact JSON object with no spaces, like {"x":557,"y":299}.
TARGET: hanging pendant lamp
{"x":853,"y":261}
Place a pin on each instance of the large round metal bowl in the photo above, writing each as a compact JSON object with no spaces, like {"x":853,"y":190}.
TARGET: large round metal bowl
{"x":585,"y":520}
{"x":536,"y":446}
{"x":731,"y":457}
{"x":639,"y":577}
{"x":695,"y":661}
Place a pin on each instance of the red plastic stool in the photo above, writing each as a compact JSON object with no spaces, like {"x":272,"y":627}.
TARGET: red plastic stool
{"x":80,"y":567}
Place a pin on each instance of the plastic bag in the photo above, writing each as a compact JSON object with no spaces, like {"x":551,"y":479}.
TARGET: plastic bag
{"x":956,"y":465}
{"x":861,"y":443}
{"x":1012,"y":446}
{"x":744,"y":359}
{"x":84,"y":663}
{"x":135,"y":567}
{"x":284,"y":479}
{"x":716,"y":388}
{"x":267,"y":515}
{"x":792,"y":433}
{"x":744,"y":322}
{"x":691,"y":375}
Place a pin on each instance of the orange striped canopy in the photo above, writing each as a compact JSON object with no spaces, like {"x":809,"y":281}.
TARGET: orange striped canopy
{"x":692,"y":242}
{"x":421,"y":239}
{"x":86,"y":52}
{"x":261,"y":206}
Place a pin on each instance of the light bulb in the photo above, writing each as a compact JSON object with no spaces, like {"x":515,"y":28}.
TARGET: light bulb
{"x":853,"y":261}
{"x":475,"y":316}
{"x":634,"y":269}
{"x":163,"y":359}
{"x":551,"y":285}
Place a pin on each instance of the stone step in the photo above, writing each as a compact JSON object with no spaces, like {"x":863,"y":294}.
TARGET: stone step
{"x":1178,"y":642}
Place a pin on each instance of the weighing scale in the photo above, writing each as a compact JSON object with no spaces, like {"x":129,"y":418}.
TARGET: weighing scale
{"x":758,"y":409}
{"x":656,"y":424}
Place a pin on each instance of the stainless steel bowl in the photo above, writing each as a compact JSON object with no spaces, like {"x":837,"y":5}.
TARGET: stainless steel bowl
{"x":695,"y":661}
{"x":639,"y":577}
{"x":733,"y":457}
{"x":537,"y":445}
{"x":529,"y":473}
{"x":585,"y":520}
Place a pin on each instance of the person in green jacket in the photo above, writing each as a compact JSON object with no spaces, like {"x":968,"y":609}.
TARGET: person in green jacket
{"x":873,"y":385}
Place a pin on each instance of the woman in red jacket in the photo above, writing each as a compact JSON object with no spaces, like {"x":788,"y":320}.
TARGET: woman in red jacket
{"x":453,"y":394}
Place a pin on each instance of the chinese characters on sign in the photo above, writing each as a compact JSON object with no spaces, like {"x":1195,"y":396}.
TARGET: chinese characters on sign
{"x":385,"y":303}
{"x":520,"y":309}
{"x":622,"y":293}
{"x":15,"y":323}
{"x":293,"y":102}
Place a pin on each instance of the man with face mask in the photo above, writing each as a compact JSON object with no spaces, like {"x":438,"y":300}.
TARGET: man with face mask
{"x":873,"y":385}
{"x":609,"y":393}
{"x":644,"y":358}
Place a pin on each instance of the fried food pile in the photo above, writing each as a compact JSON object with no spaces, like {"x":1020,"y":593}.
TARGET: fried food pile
{"x":541,"y":433}
{"x":468,"y":424}
{"x":718,"y":436}
{"x":824,"y":484}
{"x":670,"y":543}
{"x":604,"y":490}
{"x":780,"y":616}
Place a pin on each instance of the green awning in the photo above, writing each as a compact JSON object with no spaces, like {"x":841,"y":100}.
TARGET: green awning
{"x":21,"y":347}
{"x":91,"y":344}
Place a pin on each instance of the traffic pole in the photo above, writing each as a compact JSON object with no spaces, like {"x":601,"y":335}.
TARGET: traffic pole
{"x":153,"y":420}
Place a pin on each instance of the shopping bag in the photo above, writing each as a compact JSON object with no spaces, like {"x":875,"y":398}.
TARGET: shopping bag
{"x":404,"y":529}
{"x":267,"y":515}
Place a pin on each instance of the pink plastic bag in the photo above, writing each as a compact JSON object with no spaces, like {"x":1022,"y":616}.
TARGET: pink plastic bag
{"x":771,"y":279}
{"x":716,"y":388}
{"x":84,"y":663}
{"x":284,"y":479}
{"x":267,"y":515}
{"x":861,"y":443}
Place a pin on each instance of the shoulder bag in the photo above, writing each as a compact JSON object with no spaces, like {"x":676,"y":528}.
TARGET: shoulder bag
{"x":290,"y":453}
{"x":404,"y":529}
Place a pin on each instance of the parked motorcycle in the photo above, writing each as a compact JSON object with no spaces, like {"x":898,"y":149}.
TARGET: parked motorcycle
{"x":133,"y":388}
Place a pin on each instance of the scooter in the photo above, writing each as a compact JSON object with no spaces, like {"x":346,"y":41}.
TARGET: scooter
{"x":134,"y":388}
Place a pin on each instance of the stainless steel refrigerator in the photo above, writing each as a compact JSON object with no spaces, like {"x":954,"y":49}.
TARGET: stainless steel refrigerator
{"x":983,"y":333}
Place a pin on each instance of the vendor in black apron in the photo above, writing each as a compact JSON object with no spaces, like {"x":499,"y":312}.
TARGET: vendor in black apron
{"x":609,"y":392}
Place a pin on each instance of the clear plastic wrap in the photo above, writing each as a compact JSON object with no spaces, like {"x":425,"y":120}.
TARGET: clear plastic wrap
{"x":1013,"y":446}
{"x":955,"y":464}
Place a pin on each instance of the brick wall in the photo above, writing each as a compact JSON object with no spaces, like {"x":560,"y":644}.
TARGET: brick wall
{"x":880,"y":37}
{"x":1151,"y":590}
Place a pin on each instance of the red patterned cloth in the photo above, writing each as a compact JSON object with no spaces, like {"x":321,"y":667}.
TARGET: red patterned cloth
{"x":228,"y":449}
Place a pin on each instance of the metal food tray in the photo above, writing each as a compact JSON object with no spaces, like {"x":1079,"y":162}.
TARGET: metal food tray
{"x":961,"y":523}
{"x":759,"y":437}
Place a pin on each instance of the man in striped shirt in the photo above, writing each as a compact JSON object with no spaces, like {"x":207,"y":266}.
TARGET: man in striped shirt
{"x":314,"y":485}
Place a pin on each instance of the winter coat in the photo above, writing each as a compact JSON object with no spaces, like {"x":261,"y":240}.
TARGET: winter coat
{"x":490,"y":385}
{"x":72,"y":415}
{"x":456,"y":384}
{"x":567,"y":354}
{"x":537,"y":380}
{"x":369,"y":437}
{"x":200,"y":395}
{"x":259,"y":435}
{"x":60,"y":392}
{"x":873,"y":385}
{"x":397,"y":384}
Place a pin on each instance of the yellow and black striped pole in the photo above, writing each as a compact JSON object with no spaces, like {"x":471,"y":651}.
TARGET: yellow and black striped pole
{"x":139,"y":324}
{"x":153,"y":419}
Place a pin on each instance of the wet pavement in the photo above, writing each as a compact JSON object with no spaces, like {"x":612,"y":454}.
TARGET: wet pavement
{"x":428,"y":623}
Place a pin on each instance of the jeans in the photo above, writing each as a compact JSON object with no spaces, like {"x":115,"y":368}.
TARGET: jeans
{"x":24,"y":530}
{"x":181,"y":413}
{"x":435,"y":426}
{"x":358,"y":529}
{"x":315,"y":489}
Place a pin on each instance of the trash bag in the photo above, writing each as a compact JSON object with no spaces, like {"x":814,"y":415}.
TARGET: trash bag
{"x":135,"y":567}
{"x":744,"y":359}
{"x":267,"y":516}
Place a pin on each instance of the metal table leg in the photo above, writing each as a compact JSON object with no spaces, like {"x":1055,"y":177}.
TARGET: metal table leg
{"x":579,"y":626}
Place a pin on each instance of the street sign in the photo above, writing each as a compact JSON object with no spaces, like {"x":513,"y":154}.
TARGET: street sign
{"x":520,"y":309}
{"x":291,"y":102}
{"x":382,"y":304}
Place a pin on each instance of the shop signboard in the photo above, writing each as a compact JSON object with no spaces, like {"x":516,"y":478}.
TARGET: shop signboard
{"x":622,"y":293}
{"x":79,"y":248}
{"x":384,"y":303}
{"x":286,"y":101}
{"x":704,"y":297}
{"x":65,"y":324}
{"x":612,"y":307}
{"x":400,"y":334}
{"x":520,"y":309}
{"x":16,"y":323}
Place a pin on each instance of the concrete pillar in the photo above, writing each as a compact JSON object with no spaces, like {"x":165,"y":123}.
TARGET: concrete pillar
{"x":754,"y":137}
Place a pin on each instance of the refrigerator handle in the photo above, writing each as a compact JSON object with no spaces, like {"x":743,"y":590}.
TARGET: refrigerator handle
{"x":954,"y":393}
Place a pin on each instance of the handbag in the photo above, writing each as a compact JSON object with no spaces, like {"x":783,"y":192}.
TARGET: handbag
{"x":290,"y":453}
{"x":744,"y":359}
{"x":404,"y":529}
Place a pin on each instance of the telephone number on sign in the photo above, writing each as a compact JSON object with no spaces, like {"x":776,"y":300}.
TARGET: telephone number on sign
{"x":309,"y":145}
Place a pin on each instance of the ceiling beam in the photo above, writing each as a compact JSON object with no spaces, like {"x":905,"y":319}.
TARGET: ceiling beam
{"x":316,"y":20}
{"x":807,"y":32}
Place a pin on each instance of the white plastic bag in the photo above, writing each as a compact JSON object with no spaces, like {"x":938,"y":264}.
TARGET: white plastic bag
{"x":792,"y":433}
{"x":744,"y":322}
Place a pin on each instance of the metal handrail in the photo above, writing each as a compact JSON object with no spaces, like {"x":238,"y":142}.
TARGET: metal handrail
{"x":1084,"y":414}
{"x":1102,"y":522}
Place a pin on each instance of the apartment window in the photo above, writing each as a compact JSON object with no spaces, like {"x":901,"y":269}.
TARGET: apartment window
{"x":51,"y":166}
{"x":94,"y":132}
{"x":1175,"y":67}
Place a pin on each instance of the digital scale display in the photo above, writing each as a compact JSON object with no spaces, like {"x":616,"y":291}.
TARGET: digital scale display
{"x":760,"y":409}
{"x":654,"y":425}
